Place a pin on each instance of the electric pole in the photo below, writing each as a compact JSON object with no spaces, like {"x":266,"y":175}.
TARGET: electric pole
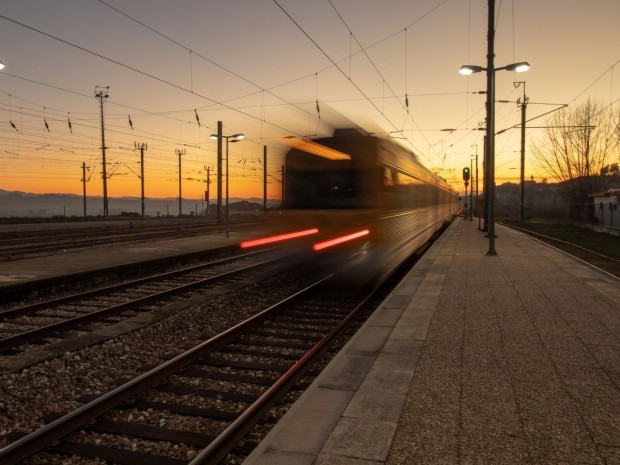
{"x":84,"y":186}
{"x":207,"y":192}
{"x":142,"y":148}
{"x":264,"y":178}
{"x":101,"y":93}
{"x":283,"y":186}
{"x":180,"y":153}
{"x":219,"y":170}
{"x":523,"y":104}
{"x":476,"y":174}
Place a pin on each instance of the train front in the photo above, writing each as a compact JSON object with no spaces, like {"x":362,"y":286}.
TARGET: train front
{"x":331,"y":189}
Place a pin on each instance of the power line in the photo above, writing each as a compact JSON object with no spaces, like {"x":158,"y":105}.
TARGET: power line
{"x":331,"y":60}
{"x":363,"y":50}
{"x":193,"y":52}
{"x":595,"y":81}
{"x":148,"y":112}
{"x":337,"y":67}
{"x":144,"y":73}
{"x":369,"y":47}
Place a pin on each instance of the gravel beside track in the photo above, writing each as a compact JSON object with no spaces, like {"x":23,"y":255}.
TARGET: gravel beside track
{"x":85,"y":319}
{"x":26,"y":397}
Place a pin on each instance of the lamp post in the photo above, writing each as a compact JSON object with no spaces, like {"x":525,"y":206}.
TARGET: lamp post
{"x":235,"y":138}
{"x":489,"y":153}
{"x":490,"y":132}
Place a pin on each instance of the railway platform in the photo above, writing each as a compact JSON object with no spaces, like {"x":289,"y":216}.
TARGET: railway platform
{"x":106,"y":257}
{"x":473,"y":359}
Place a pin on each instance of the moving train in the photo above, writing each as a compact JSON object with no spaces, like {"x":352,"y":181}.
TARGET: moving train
{"x":356,"y":199}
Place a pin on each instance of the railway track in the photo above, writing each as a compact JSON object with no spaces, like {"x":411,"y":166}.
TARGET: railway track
{"x":196,"y":406}
{"x":607,"y":264}
{"x":24,"y":327}
{"x":25,"y":244}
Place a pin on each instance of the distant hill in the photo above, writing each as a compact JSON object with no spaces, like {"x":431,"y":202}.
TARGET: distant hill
{"x":15,"y":204}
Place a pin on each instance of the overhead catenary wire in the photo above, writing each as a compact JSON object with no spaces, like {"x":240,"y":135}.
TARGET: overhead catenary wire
{"x":146,"y":74}
{"x":334,"y":63}
{"x":211,"y":61}
{"x":193,"y":52}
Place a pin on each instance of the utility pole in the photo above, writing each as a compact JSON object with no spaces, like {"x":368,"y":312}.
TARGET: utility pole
{"x":523,"y":104}
{"x":476,"y":174}
{"x":84,"y":186}
{"x":208,"y":191}
{"x":219,"y":170}
{"x":264,"y":178}
{"x":485,"y":183}
{"x":471,"y":189}
{"x":283,"y":186}
{"x":180,"y":153}
{"x":101,"y":93}
{"x":142,"y":148}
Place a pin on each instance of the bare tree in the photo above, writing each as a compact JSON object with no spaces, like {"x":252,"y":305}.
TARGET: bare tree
{"x":577,"y":145}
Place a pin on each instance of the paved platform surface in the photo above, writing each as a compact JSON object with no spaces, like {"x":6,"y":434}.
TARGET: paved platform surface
{"x":473,"y":359}
{"x":32,"y":269}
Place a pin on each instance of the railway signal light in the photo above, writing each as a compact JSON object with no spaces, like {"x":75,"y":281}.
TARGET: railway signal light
{"x":466,"y":174}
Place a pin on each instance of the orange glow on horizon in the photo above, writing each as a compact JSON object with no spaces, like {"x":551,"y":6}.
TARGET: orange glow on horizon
{"x":130,"y":187}
{"x":33,"y":166}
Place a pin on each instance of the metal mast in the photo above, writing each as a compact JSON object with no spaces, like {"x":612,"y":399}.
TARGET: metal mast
{"x":101,"y":93}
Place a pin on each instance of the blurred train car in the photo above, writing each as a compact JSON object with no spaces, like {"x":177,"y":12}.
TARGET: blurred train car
{"x":354,"y":199}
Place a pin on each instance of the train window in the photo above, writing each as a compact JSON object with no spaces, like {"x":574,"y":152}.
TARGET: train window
{"x":402,"y":190}
{"x":323,"y":189}
{"x":392,"y":177}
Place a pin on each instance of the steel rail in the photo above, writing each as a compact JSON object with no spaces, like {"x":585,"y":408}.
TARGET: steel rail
{"x":45,"y":436}
{"x":559,"y":241}
{"x":17,"y":237}
{"x":22,"y":338}
{"x":16,"y":248}
{"x":224,"y":442}
{"x":26,"y":309}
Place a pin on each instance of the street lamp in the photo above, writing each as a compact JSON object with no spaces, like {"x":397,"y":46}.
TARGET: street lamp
{"x":234,"y":138}
{"x":520,"y":67}
{"x":1,"y":65}
{"x":467,"y":70}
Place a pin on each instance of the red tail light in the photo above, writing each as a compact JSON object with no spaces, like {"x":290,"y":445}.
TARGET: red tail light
{"x":278,"y":238}
{"x":339,"y":240}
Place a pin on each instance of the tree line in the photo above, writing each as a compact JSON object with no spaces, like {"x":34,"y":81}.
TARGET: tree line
{"x":582,"y":145}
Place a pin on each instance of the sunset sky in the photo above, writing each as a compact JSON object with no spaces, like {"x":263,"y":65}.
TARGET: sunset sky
{"x":261,"y":67}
